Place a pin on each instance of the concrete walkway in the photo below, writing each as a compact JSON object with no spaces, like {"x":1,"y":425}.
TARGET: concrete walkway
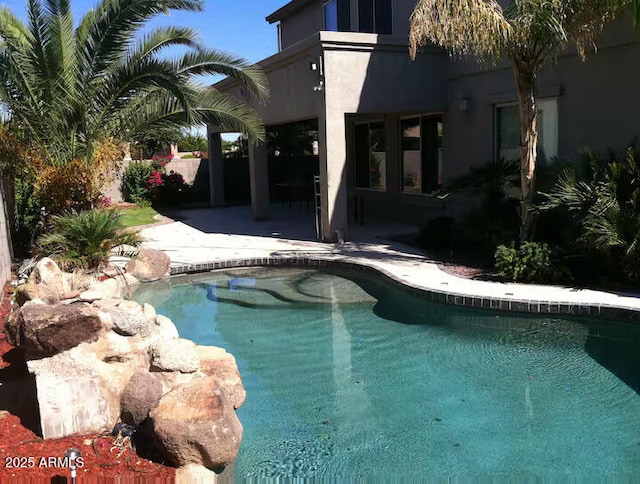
{"x":201,"y":239}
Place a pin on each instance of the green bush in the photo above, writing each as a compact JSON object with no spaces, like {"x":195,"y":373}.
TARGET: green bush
{"x":134,"y":185}
{"x":601,"y":196}
{"x":531,"y":262}
{"x":84,"y":240}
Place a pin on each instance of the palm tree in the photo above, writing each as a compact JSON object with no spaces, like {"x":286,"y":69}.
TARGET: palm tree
{"x":530,"y":33}
{"x":68,"y":86}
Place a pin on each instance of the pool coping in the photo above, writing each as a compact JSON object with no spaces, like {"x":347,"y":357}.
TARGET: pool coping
{"x":452,"y":298}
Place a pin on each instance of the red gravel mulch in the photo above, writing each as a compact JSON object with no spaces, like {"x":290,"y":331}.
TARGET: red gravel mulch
{"x":25,"y":456}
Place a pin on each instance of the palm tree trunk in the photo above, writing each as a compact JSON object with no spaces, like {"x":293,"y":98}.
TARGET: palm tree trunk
{"x":526,"y":90}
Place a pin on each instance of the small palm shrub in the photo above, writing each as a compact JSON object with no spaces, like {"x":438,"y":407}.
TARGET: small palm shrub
{"x":531,"y":262}
{"x":84,"y":240}
{"x":602,"y":196}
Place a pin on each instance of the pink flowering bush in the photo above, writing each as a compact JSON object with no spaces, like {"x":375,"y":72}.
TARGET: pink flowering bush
{"x":149,"y":182}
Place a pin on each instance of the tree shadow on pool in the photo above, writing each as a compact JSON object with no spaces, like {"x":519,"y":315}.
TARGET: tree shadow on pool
{"x":615,"y":346}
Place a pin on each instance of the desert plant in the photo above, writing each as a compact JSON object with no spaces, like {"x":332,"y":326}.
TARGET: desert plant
{"x":84,"y":240}
{"x":69,"y":85}
{"x":531,"y":33}
{"x":531,"y":262}
{"x":602,"y":196}
{"x":134,"y":185}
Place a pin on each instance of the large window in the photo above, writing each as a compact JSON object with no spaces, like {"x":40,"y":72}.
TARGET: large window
{"x":508,"y":131}
{"x":421,"y":152}
{"x":371,"y":156}
{"x":337,"y":15}
{"x":372,"y":16}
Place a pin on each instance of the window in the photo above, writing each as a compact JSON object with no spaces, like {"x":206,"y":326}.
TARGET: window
{"x":337,"y":15}
{"x":508,"y":131}
{"x":372,"y":16}
{"x":421,"y":153}
{"x":371,"y":156}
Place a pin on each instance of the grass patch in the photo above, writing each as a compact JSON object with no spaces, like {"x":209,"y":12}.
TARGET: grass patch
{"x":138,"y":216}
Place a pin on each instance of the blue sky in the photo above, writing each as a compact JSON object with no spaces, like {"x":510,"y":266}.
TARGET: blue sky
{"x":235,"y":26}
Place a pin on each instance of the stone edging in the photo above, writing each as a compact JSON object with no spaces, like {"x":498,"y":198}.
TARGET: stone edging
{"x":605,"y":311}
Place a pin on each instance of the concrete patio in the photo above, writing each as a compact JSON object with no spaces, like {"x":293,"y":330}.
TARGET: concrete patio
{"x":205,"y":239}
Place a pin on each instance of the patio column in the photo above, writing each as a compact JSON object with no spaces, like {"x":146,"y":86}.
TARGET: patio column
{"x":332,"y":146}
{"x":259,"y":178}
{"x":216,"y":170}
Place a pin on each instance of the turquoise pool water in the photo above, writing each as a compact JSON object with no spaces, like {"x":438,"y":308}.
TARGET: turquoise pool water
{"x":354,"y":379}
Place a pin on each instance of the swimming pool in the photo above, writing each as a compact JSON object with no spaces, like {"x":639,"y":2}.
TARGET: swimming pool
{"x":348,"y":377}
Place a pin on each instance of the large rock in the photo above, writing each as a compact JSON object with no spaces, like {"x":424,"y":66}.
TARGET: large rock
{"x":30,"y":291}
{"x":47,"y":272}
{"x":166,"y":327}
{"x":149,"y":265}
{"x":129,"y":319}
{"x":45,"y":330}
{"x":196,"y":423}
{"x":218,"y":363}
{"x":175,"y":355}
{"x":139,"y":397}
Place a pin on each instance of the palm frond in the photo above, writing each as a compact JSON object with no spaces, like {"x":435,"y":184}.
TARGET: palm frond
{"x":463,"y":27}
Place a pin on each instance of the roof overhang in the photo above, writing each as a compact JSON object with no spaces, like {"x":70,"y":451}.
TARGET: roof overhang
{"x":287,"y":10}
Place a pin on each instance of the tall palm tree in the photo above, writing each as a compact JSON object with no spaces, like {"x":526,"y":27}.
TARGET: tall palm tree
{"x":67,"y":86}
{"x":530,"y":33}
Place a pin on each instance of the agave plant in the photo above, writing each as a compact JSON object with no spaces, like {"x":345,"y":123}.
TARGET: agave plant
{"x":602,"y":193}
{"x":67,"y":86}
{"x":84,"y":240}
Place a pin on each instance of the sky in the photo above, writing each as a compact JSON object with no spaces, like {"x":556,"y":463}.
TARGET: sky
{"x":235,"y":26}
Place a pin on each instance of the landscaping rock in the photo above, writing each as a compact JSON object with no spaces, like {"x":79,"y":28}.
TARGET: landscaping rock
{"x":29,"y":291}
{"x":90,"y":296}
{"x":139,"y":397}
{"x":167,"y":328}
{"x":195,"y":474}
{"x":109,"y":288}
{"x":47,"y":273}
{"x":49,"y":329}
{"x":149,"y":313}
{"x":216,"y":362}
{"x":175,"y":355}
{"x":149,"y":265}
{"x":129,"y":319}
{"x":195,"y":423}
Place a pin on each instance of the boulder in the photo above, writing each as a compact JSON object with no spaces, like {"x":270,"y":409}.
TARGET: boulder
{"x":195,"y":423}
{"x":175,"y":355}
{"x":166,"y":327}
{"x":149,"y":265}
{"x":30,"y":291}
{"x":47,"y":273}
{"x":129,"y":319}
{"x":195,"y":474}
{"x":46,"y":330}
{"x":139,"y":397}
{"x":216,"y":362}
{"x":149,"y":313}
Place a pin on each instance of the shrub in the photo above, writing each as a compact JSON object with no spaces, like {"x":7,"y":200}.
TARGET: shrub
{"x":601,"y":194}
{"x":531,"y":262}
{"x":147,"y":182}
{"x":84,"y":240}
{"x":134,"y":185}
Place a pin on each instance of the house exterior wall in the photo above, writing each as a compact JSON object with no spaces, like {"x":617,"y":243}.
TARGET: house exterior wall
{"x":368,"y":76}
{"x":310,"y":18}
{"x":595,"y":100}
{"x":304,"y":22}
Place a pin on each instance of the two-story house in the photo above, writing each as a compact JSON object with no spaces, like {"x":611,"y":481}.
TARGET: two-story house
{"x":390,"y":129}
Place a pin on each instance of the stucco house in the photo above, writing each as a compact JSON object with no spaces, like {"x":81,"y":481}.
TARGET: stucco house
{"x":390,"y":130}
